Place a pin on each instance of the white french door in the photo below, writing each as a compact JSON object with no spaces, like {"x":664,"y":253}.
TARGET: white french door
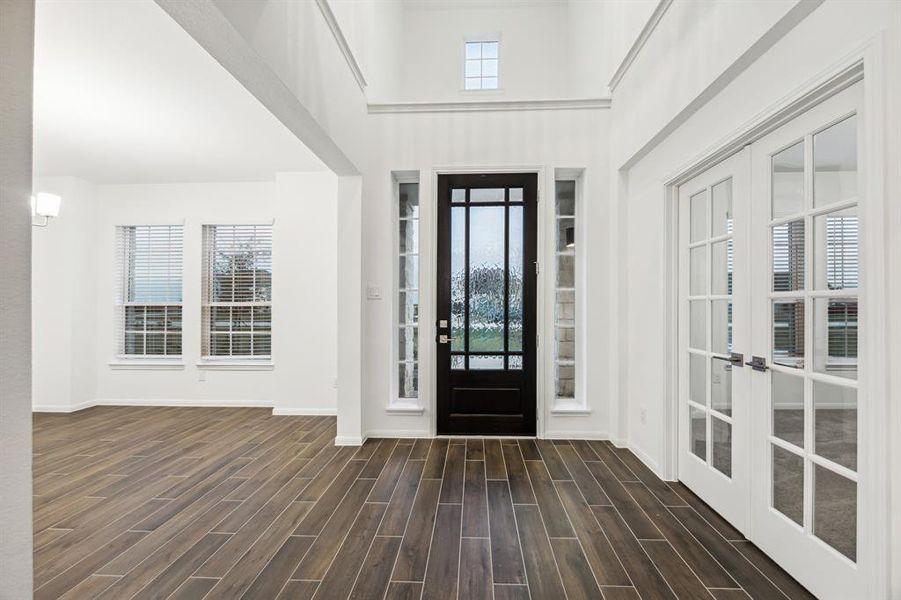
{"x":805,"y":228}
{"x":769,"y":269}
{"x":714,"y":324}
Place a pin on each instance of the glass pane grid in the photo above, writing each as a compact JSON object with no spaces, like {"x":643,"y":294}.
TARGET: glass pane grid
{"x":565,"y":250}
{"x":814,"y":436}
{"x":481,"y":62}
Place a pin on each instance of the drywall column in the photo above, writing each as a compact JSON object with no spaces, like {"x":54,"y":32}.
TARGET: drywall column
{"x":350,"y":311}
{"x":16,"y":77}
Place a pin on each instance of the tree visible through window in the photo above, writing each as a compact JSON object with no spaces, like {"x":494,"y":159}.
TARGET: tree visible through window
{"x":481,"y":67}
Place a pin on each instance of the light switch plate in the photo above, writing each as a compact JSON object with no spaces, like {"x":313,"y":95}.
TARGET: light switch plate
{"x":374,"y":292}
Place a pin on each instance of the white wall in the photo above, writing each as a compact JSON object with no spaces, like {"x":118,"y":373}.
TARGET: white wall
{"x":500,"y":140}
{"x":78,"y":248}
{"x":16,"y":68}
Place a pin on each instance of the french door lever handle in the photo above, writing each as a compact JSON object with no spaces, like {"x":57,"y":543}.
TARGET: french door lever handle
{"x":758,"y":363}
{"x":443,"y":339}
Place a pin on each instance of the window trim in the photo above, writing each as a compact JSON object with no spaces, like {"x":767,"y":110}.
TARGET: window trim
{"x":481,"y":38}
{"x":122,"y":360}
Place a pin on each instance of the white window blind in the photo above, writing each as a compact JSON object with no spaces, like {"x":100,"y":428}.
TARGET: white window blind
{"x":237,"y":291}
{"x":149,"y":315}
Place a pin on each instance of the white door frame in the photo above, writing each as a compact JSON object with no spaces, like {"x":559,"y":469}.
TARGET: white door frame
{"x":867,"y":64}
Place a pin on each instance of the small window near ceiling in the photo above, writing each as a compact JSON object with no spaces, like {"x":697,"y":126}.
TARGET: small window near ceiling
{"x":481,"y":65}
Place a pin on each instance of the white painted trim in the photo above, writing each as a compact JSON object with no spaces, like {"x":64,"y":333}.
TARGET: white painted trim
{"x":137,"y":364}
{"x":169,"y":402}
{"x":349,"y":440}
{"x":575,"y":435}
{"x":63,"y":408}
{"x":335,"y":28}
{"x":399,"y":433}
{"x":304,"y":412}
{"x":650,"y":463}
{"x":571,"y":412}
{"x":404,"y":408}
{"x":639,"y":42}
{"x":235,"y":365}
{"x":488,"y":106}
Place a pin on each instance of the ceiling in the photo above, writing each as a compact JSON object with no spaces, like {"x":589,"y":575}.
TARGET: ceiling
{"x":124,"y":95}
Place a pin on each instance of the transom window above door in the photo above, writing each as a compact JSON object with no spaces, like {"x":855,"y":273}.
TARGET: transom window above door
{"x":480,"y":70}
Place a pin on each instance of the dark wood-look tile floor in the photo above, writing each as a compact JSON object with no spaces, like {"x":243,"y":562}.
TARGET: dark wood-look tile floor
{"x":194,"y":503}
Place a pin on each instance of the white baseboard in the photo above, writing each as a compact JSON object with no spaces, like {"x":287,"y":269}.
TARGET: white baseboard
{"x":575,"y":435}
{"x":647,"y":460}
{"x":304,"y":412}
{"x":397,"y":433}
{"x":63,"y":408}
{"x":349,"y":440}
{"x":185,"y":403}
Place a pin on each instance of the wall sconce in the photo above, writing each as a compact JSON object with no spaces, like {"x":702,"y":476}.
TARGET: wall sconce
{"x":46,"y":206}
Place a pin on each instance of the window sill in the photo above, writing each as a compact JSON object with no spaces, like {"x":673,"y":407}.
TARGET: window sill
{"x":404,"y":407}
{"x":139,"y":364}
{"x":569,"y":408}
{"x":236,"y":365}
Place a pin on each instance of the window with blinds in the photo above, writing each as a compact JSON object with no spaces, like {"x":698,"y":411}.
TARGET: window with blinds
{"x":237,"y":291}
{"x":150,"y":291}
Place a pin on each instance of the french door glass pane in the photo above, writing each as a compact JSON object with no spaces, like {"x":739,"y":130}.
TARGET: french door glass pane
{"x":698,"y":216}
{"x":721,"y":326}
{"x":697,"y":320}
{"x":697,"y":378}
{"x":721,"y":386}
{"x":788,"y":407}
{"x":788,"y":256}
{"x":788,"y":484}
{"x":788,"y":181}
{"x":487,"y":276}
{"x":697,"y":271}
{"x":835,"y":163}
{"x":835,"y":423}
{"x":698,"y":432}
{"x":788,"y":333}
{"x":515,"y":275}
{"x":835,"y":261}
{"x":458,"y":276}
{"x":721,"y":448}
{"x":721,"y":210}
{"x":835,"y":337}
{"x":721,"y":268}
{"x":835,"y":510}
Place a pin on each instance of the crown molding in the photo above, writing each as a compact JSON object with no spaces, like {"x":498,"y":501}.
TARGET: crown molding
{"x":332,"y":23}
{"x":488,"y":106}
{"x":639,"y":43}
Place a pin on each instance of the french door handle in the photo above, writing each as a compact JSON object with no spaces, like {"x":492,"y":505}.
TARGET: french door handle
{"x":758,"y":363}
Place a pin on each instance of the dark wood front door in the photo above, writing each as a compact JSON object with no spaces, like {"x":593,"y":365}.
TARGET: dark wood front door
{"x":487,"y":244}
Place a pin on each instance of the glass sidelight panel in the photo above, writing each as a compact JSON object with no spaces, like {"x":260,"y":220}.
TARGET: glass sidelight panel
{"x":408,"y":290}
{"x":788,"y":181}
{"x":835,"y":510}
{"x":788,"y":484}
{"x":566,"y":213}
{"x":835,"y":163}
{"x":788,"y":407}
{"x":835,"y":423}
